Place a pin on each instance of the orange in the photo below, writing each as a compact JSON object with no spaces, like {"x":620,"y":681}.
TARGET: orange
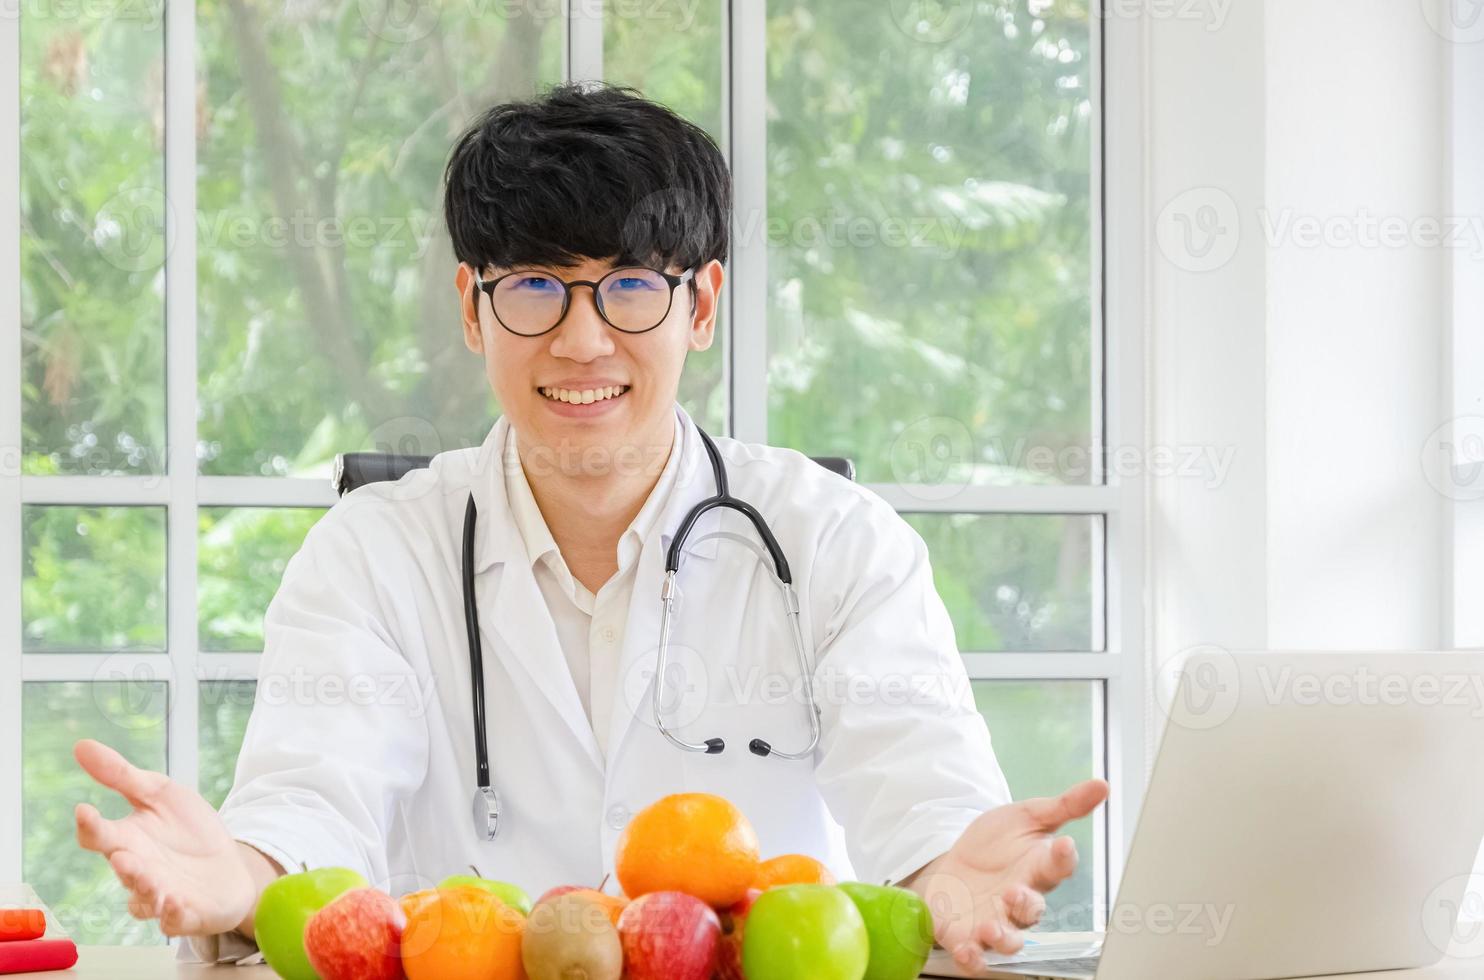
{"x":695,"y":843}
{"x":461,"y":933}
{"x":792,"y":869}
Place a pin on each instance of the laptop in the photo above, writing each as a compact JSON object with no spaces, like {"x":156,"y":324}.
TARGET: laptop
{"x":1308,"y":814}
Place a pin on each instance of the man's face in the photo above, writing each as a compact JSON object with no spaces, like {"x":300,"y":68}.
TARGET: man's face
{"x":585,"y":354}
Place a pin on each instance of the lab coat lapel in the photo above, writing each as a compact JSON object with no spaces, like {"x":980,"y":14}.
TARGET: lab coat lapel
{"x":511,"y":606}
{"x":635,"y":676}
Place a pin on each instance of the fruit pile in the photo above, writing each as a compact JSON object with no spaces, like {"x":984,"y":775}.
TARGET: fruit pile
{"x":701,"y":905}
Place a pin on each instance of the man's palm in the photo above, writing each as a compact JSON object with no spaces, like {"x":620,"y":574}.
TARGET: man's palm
{"x":990,"y":884}
{"x":173,"y":853}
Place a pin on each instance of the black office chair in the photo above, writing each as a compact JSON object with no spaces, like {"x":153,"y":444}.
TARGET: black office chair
{"x":357,"y":469}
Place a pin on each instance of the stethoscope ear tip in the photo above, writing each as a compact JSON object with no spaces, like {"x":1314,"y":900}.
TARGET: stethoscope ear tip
{"x":714,"y":745}
{"x":759,"y":748}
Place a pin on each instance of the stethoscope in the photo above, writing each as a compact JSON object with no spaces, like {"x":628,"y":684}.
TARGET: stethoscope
{"x":486,"y":800}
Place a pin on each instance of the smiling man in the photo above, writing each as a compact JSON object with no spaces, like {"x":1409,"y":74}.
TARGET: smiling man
{"x":591,"y":230}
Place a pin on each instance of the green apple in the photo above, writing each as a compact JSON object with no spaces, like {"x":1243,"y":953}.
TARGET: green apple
{"x":900,"y":928}
{"x":511,"y":895}
{"x":805,"y":932}
{"x":284,"y":909}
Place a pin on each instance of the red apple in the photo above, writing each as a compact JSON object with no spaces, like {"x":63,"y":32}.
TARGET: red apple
{"x":357,"y":937}
{"x":729,"y":950}
{"x":668,"y":936}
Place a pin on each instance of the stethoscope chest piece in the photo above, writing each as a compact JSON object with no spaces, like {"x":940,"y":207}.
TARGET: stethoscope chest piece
{"x":486,"y":813}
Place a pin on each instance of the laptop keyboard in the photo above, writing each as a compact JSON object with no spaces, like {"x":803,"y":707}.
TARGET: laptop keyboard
{"x":1073,"y":968}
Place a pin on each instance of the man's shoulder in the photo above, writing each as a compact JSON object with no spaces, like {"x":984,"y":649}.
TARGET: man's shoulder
{"x":791,"y":484}
{"x":410,"y":506}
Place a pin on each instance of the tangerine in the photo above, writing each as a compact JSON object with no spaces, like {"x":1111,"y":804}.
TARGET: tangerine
{"x":697,"y":843}
{"x":792,"y":869}
{"x":461,"y":933}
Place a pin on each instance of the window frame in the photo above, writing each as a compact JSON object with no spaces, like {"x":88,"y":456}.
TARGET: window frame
{"x":1122,"y":737}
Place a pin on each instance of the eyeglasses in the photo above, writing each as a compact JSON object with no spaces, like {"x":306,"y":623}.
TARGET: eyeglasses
{"x":634,"y":299}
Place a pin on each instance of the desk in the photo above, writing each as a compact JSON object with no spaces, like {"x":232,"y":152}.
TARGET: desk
{"x":157,"y":962}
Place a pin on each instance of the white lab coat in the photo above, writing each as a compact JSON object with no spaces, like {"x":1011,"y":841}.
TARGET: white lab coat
{"x":359,"y":751}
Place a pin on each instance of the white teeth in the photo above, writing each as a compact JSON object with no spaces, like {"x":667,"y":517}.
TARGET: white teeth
{"x":584,"y":397}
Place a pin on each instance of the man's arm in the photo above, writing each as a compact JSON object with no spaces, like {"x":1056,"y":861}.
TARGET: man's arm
{"x":914,"y":780}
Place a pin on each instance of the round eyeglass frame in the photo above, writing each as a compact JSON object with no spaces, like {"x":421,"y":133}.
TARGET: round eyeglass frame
{"x":488,"y":288}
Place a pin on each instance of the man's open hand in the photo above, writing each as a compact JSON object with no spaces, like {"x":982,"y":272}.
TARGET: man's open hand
{"x":990,"y":885}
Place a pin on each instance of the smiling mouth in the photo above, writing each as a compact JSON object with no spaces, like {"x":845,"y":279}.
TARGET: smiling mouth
{"x":584,"y":397}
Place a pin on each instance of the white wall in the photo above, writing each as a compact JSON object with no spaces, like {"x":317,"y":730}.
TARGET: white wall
{"x":1207,"y":368}
{"x":1322,"y":368}
{"x":1467,"y":487}
{"x":1357,"y":326}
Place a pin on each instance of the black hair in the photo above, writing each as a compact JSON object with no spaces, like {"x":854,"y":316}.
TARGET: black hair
{"x":586,"y":171}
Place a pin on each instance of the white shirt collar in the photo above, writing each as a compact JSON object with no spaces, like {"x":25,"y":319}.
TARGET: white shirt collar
{"x":532,"y":525}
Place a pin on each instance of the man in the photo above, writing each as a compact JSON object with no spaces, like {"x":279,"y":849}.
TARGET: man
{"x":591,"y":231}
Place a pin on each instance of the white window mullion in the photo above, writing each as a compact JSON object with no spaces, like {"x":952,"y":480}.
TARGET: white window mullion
{"x":180,"y":386}
{"x":92,"y":665}
{"x":942,"y":499}
{"x":98,"y":491}
{"x":1123,"y":74}
{"x":729,"y":287}
{"x":1041,"y":666}
{"x":264,"y":491}
{"x":747,"y":91}
{"x":584,"y":51}
{"x":217,"y":667}
{"x":10,"y":455}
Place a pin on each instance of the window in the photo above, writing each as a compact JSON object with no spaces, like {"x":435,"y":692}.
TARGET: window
{"x":233,"y":267}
